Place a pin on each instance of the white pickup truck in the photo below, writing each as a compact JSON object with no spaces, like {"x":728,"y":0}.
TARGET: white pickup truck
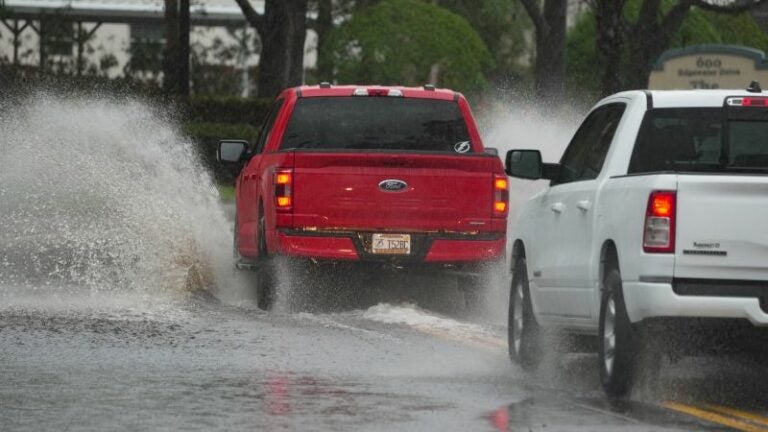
{"x":657,"y":211}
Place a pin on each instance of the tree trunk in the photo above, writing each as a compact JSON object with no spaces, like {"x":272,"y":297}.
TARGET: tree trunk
{"x":550,"y":50}
{"x":609,"y":18}
{"x":282,"y":46}
{"x":170,"y":54}
{"x":183,"y":65}
{"x":659,"y":30}
{"x":549,"y":21}
{"x":323,"y":26}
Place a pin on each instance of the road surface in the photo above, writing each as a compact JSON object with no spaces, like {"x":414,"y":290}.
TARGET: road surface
{"x":374,"y":360}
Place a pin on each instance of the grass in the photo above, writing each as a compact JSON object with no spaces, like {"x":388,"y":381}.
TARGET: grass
{"x":226,"y":193}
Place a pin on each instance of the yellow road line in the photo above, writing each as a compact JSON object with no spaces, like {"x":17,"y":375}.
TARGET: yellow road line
{"x":482,"y":341}
{"x":733,"y":418}
{"x":740,"y":414}
{"x":714,"y":417}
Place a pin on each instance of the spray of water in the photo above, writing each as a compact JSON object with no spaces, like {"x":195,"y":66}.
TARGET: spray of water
{"x":522,"y":126}
{"x":104,"y":195}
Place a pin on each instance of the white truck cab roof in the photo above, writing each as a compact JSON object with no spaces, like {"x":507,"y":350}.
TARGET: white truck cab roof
{"x":684,"y":98}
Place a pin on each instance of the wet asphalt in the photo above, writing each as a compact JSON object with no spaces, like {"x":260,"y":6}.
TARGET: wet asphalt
{"x":373,"y":353}
{"x":194,"y":363}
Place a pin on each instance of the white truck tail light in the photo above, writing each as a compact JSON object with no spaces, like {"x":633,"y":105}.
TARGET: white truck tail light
{"x":283,"y":179}
{"x":747,"y":102}
{"x":500,"y":196}
{"x":659,"y":232}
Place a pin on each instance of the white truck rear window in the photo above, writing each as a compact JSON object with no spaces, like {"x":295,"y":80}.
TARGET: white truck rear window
{"x":713,"y":140}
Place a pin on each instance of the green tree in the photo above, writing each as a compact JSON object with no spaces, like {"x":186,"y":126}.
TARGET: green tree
{"x":585,"y":64}
{"x":408,"y":42}
{"x":502,"y":24}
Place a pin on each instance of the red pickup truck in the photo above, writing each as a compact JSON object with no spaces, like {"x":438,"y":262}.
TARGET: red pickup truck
{"x":389,"y":175}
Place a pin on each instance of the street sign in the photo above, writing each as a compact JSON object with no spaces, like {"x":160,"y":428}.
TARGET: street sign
{"x":709,"y":67}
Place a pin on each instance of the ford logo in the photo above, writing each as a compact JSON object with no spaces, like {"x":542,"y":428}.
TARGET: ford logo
{"x":393,"y":185}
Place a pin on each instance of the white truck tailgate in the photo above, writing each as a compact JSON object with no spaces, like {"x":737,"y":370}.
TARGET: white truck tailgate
{"x":722,"y":227}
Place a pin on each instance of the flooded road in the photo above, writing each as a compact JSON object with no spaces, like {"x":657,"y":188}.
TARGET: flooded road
{"x":203,"y":365}
{"x":193,"y":363}
{"x":105,"y":217}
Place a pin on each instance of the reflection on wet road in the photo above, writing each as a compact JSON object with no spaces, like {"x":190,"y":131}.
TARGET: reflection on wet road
{"x":194,"y":363}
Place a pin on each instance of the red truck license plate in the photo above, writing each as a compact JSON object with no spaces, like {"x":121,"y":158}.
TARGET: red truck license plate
{"x":392,"y":244}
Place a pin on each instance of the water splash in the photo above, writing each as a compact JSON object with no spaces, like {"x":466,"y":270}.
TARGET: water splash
{"x":522,"y":126}
{"x":525,"y":126}
{"x":104,"y":194}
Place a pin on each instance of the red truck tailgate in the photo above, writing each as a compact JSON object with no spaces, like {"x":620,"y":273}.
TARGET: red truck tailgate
{"x":339,"y":190}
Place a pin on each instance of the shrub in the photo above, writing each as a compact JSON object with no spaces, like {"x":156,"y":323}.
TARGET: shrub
{"x":207,"y":137}
{"x":232,"y":110}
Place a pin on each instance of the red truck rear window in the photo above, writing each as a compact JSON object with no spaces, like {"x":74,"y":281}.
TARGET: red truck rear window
{"x":377,"y":123}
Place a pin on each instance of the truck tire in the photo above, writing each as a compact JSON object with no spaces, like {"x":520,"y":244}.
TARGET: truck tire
{"x":618,"y":341}
{"x":266,"y":279}
{"x":265,"y":285}
{"x":523,"y":332}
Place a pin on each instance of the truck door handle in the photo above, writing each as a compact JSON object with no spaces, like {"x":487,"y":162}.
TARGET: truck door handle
{"x":583,"y":205}
{"x":558,"y":207}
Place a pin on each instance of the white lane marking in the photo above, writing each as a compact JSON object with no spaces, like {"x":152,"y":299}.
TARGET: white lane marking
{"x":327,"y":321}
{"x":434,"y":325}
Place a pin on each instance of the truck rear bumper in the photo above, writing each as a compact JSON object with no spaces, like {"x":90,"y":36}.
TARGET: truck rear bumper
{"x":426,"y":248}
{"x":653,"y":300}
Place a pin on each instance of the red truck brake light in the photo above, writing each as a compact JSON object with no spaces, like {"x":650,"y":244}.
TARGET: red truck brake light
{"x":377,"y":92}
{"x":283,"y":189}
{"x":500,"y":196}
{"x":659,"y":232}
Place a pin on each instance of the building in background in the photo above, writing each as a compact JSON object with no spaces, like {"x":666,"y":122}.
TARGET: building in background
{"x":575,"y":9}
{"x":116,"y":38}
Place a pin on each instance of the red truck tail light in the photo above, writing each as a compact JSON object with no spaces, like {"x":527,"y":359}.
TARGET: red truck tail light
{"x":500,"y":196}
{"x":659,"y":232}
{"x":283,"y":189}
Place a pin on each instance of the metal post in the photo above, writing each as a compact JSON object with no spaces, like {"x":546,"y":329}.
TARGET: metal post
{"x":41,"y":34}
{"x":80,"y":43}
{"x":16,"y":42}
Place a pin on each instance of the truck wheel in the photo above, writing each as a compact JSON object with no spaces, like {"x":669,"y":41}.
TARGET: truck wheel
{"x":524,"y":333}
{"x":617,"y":342}
{"x":266,"y":279}
{"x":265,"y":285}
